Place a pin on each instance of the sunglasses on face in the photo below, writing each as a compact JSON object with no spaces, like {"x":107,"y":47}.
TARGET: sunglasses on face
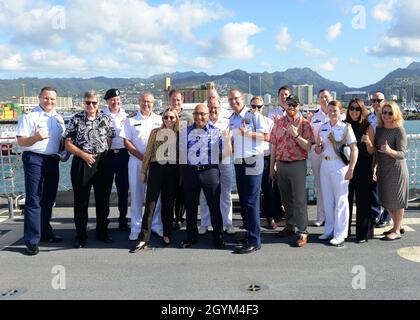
{"x":389,"y":113}
{"x":91,"y":103}
{"x":377,"y":100}
{"x":355,"y":108}
{"x":255,"y":106}
{"x":172,"y":118}
{"x":292,"y":105}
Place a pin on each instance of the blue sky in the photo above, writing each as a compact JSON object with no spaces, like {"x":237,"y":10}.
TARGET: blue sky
{"x":348,"y":41}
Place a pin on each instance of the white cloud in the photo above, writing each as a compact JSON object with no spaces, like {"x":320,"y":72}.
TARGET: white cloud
{"x":384,"y":11}
{"x":108,"y":63}
{"x":200,"y":63}
{"x":56,"y":61}
{"x":233,"y":41}
{"x":394,"y":46}
{"x":328,"y":66}
{"x":309,"y":49}
{"x":334,"y":31}
{"x":10,"y":59}
{"x":283,"y":39}
{"x":403,"y":37}
{"x":138,"y":33}
{"x":355,"y":61}
{"x":266,"y":65}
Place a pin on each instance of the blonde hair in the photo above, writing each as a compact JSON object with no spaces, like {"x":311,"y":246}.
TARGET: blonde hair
{"x":398,"y":119}
{"x":176,"y":126}
{"x":258,"y":100}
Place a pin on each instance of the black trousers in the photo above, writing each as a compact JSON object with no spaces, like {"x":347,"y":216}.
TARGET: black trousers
{"x":179,"y":204}
{"x":119,"y":171}
{"x":162,"y":180}
{"x":83,"y":178}
{"x":271,"y":201}
{"x":362,"y":185}
{"x":209,"y":181}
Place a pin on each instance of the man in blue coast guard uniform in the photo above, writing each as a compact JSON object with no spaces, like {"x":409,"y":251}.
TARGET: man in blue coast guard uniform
{"x":39,"y":134}
{"x":249,"y":131}
{"x":118,"y":155}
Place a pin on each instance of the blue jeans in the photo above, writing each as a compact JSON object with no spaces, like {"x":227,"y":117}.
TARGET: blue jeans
{"x":249,"y":186}
{"x":41,"y":183}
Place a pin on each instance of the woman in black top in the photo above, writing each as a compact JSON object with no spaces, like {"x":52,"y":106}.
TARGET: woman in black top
{"x":362,"y":182}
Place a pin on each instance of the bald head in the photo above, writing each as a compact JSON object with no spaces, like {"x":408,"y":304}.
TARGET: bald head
{"x":201,"y":115}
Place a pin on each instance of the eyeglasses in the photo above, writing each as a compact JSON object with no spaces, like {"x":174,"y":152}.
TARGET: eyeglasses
{"x":290,"y":105}
{"x":389,"y":113}
{"x":377,"y":100}
{"x":91,"y":103}
{"x":172,"y":118}
{"x":254,"y":106}
{"x":355,"y":109}
{"x":200,"y":114}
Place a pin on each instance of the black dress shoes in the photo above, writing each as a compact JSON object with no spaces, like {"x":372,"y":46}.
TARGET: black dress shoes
{"x":79,"y":244}
{"x":106,"y":239}
{"x":188,"y":243}
{"x":53,"y":239}
{"x":32,"y":249}
{"x":242,"y":241}
{"x":246,"y":249}
{"x":219,"y":244}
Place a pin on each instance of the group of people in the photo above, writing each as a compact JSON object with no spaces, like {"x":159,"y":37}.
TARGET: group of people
{"x":176,"y":161}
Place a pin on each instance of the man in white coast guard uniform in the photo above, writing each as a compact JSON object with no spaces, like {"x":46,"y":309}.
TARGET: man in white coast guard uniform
{"x":136,"y":134}
{"x":226,"y":170}
{"x":39,"y":134}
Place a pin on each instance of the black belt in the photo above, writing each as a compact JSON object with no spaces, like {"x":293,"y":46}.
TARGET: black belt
{"x":204,"y":167}
{"x":116,"y":150}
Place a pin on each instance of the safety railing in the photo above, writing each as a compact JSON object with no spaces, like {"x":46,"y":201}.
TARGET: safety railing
{"x":12,"y":177}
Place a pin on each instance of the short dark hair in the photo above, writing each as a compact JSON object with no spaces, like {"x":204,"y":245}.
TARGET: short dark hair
{"x":175,"y":91}
{"x":47,"y":89}
{"x":323,"y":90}
{"x":284,"y":88}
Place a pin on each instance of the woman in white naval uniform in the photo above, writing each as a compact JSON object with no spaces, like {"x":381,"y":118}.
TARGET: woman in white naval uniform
{"x":317,"y":120}
{"x":335,"y":175}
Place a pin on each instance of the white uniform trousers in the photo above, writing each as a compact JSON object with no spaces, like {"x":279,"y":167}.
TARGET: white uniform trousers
{"x":334,"y":193}
{"x":226,"y":171}
{"x":316,"y":167}
{"x":138,"y":192}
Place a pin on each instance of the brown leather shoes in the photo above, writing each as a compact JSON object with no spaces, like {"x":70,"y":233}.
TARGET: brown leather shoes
{"x":285,"y":233}
{"x":302,"y":241}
